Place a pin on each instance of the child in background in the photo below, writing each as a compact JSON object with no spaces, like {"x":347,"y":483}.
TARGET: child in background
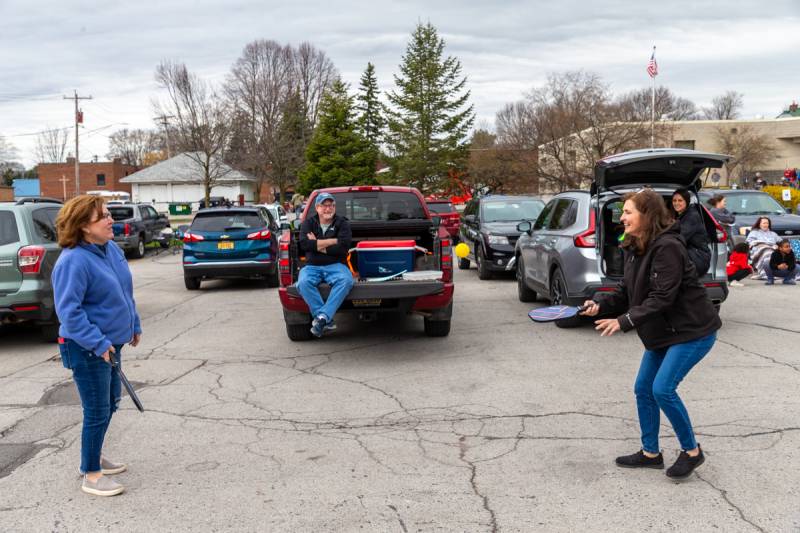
{"x":738,"y":267}
{"x":782,"y":264}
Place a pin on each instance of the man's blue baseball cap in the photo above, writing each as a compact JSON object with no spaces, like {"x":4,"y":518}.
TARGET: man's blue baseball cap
{"x":321,"y":197}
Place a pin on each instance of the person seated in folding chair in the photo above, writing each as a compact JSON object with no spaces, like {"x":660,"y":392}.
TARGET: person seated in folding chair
{"x":325,"y":239}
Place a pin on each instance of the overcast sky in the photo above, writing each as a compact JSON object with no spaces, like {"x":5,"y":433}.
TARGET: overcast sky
{"x":110,"y":50}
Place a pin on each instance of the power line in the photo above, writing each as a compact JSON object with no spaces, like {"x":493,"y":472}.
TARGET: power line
{"x":38,"y":132}
{"x":78,"y":120}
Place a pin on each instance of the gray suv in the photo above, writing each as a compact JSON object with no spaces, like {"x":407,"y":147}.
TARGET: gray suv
{"x":28,"y":251}
{"x":571,"y":251}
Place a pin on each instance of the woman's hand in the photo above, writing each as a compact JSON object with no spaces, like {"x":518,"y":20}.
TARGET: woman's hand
{"x":607,"y":326}
{"x":591,"y":308}
{"x":107,"y":354}
{"x":136,"y":338}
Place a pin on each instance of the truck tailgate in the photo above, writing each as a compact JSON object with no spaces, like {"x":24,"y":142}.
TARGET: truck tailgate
{"x":363,"y":290}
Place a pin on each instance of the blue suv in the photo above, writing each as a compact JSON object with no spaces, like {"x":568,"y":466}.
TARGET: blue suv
{"x":239,"y":242}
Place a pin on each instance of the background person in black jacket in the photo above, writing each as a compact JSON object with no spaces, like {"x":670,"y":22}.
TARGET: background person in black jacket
{"x":782,"y":264}
{"x":693,"y":230}
{"x":661,"y":297}
{"x":325,"y":239}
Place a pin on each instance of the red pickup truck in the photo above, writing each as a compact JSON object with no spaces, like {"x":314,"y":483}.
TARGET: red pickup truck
{"x":382,"y":213}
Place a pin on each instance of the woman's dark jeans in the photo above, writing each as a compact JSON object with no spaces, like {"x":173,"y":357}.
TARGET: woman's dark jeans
{"x":656,"y":390}
{"x":100,"y":391}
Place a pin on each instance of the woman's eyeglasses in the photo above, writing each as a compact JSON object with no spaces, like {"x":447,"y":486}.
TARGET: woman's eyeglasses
{"x":104,"y":216}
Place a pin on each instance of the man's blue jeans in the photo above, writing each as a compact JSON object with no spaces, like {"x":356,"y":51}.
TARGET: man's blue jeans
{"x":337,"y":276}
{"x":100,"y":390}
{"x":656,"y":388}
{"x":785,"y":274}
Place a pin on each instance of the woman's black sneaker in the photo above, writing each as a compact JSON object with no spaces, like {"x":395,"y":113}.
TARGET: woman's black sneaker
{"x":640,"y":460}
{"x":685,"y":465}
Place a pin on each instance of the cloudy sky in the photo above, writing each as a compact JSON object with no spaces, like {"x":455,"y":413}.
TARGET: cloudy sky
{"x":109,"y":50}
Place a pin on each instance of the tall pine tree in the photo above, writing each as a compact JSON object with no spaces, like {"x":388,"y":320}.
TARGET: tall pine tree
{"x":429,"y":117}
{"x":337,"y":155}
{"x":370,"y":120}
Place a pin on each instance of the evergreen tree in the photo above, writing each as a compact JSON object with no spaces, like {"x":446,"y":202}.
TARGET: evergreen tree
{"x":429,"y":119}
{"x":370,"y":121}
{"x":338,"y":154}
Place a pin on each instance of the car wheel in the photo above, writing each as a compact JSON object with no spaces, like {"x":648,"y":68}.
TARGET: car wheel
{"x":524,"y":293}
{"x":138,"y":252}
{"x":274,"y":278}
{"x":192,"y":283}
{"x":463,"y":264}
{"x":299,"y":332}
{"x":558,"y":296}
{"x":480,"y":263}
{"x":437,"y":328}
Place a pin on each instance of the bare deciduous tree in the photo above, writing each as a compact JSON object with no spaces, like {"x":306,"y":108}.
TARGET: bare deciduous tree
{"x":132,"y":146}
{"x":201,"y":120}
{"x":724,"y":107}
{"x":51,"y":145}
{"x":748,"y":148}
{"x":514,"y":125}
{"x":498,"y":167}
{"x":636,"y":105}
{"x":314,"y":74}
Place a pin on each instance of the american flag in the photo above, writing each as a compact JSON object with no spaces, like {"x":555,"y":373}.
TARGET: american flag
{"x":652,"y":66}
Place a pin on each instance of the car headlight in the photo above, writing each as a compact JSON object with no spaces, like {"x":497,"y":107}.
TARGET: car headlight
{"x":497,"y":239}
{"x":744,"y":230}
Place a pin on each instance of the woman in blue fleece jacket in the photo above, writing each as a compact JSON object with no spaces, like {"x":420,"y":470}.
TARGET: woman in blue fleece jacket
{"x":94,"y":302}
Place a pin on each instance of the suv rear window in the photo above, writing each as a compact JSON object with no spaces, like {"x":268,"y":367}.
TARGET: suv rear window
{"x":378,"y":205}
{"x":121,"y":213}
{"x":227,"y":221}
{"x":511,"y":211}
{"x":441,"y":207}
{"x":8,"y":228}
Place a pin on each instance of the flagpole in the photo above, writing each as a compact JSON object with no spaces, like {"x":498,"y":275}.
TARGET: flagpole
{"x":653,"y":110}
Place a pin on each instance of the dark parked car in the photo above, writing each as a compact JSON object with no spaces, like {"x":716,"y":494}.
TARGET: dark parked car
{"x":571,"y":251}
{"x":448,"y":214}
{"x":490,"y":230}
{"x":136,"y":225}
{"x":239,"y":242}
{"x":748,"y":206}
{"x":28,"y":252}
{"x":213,"y":201}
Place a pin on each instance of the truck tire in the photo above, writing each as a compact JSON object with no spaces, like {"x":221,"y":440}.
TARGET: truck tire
{"x":483,"y":266}
{"x":138,"y":251}
{"x":524,"y":293}
{"x":192,"y":283}
{"x":437,"y":328}
{"x":299,"y":332}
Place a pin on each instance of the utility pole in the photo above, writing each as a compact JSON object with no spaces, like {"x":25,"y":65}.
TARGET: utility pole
{"x":164,"y":121}
{"x":78,"y":120}
{"x":64,"y":181}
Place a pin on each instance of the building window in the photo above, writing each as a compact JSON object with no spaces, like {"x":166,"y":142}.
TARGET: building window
{"x":101,"y":180}
{"x":686,"y":145}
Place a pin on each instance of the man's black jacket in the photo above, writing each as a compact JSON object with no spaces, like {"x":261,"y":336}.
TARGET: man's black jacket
{"x":693,"y":231}
{"x":660,"y":295}
{"x":778,"y":257}
{"x":339,"y":228}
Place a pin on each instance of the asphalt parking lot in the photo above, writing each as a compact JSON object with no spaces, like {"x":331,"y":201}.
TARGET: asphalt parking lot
{"x":505,"y":425}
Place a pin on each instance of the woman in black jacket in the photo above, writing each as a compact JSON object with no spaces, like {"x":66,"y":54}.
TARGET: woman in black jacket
{"x":661,"y":298}
{"x":693,"y":230}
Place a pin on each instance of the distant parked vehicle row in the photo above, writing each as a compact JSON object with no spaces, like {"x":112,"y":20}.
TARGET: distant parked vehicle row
{"x":748,"y":206}
{"x":136,"y":225}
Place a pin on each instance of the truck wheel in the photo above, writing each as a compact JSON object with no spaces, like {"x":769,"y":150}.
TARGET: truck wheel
{"x":138,"y":251}
{"x":192,"y":283}
{"x":483,"y":267}
{"x":524,"y":293}
{"x":437,"y":328}
{"x":299,"y":332}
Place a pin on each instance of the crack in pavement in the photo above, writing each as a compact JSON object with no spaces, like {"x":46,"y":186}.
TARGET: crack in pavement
{"x":399,"y":518}
{"x":462,"y":455}
{"x":724,"y":494}
{"x":181,"y":333}
{"x":767,"y":326}
{"x":796,"y":368}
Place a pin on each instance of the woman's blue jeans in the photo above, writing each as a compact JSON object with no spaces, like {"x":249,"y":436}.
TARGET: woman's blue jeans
{"x":660,"y":373}
{"x":100,"y":391}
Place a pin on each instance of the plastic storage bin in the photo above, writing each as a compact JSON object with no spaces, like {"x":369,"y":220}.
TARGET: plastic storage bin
{"x":384,"y":258}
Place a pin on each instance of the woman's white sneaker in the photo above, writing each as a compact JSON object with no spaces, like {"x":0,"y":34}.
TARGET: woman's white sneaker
{"x":102,"y":487}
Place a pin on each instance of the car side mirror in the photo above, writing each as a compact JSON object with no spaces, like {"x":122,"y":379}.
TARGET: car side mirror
{"x":470,"y":219}
{"x":524,"y":227}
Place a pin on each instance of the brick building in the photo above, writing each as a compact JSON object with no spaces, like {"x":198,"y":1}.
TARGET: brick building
{"x":101,"y":176}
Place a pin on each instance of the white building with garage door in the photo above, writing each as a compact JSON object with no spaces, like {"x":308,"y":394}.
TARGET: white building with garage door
{"x":180,"y":180}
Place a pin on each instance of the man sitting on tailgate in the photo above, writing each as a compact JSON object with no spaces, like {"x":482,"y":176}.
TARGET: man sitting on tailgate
{"x":325,"y":239}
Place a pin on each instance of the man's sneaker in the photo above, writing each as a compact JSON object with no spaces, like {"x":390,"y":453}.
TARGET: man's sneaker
{"x":318,"y":325}
{"x":735,"y":283}
{"x":330,"y":326}
{"x":685,"y":464}
{"x":770,"y":282}
{"x":640,"y":460}
{"x":104,"y":486}
{"x":108,"y":467}
{"x":789,"y":281}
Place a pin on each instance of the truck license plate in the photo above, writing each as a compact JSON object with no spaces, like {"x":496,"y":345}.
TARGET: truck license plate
{"x":225,"y":245}
{"x":369,"y":302}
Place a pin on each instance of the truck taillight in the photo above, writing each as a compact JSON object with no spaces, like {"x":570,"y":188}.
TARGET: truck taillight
{"x":262,"y":235}
{"x":30,"y":259}
{"x":447,"y":261}
{"x":126,"y":229}
{"x":587,"y":239}
{"x":283,"y":263}
{"x":192,"y":237}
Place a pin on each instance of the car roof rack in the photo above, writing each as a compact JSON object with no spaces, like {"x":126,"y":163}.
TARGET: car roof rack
{"x":38,"y":200}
